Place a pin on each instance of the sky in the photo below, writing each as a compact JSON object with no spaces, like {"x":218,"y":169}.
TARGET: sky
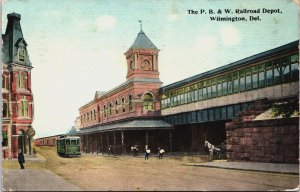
{"x":77,"y":47}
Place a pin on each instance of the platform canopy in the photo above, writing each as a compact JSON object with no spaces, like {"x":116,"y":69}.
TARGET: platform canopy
{"x":138,"y":124}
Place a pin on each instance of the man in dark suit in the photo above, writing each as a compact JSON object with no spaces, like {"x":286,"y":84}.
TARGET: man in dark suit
{"x":21,"y":159}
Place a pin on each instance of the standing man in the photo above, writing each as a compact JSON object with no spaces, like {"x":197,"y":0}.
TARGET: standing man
{"x":21,"y":159}
{"x":160,"y":153}
{"x":147,"y":152}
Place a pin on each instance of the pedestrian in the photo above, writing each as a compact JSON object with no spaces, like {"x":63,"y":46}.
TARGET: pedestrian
{"x":109,"y":150}
{"x":147,"y":153}
{"x":160,"y":153}
{"x":136,"y":150}
{"x":21,"y":159}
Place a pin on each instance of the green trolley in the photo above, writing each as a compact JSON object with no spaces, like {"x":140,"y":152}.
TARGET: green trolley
{"x":68,"y":146}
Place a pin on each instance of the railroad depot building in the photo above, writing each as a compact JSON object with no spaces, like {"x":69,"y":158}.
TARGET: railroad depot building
{"x":128,"y":114}
{"x":220,"y":105}
{"x":17,"y":98}
{"x":223,"y":105}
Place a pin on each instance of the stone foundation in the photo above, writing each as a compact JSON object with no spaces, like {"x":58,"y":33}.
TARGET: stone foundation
{"x":272,"y":141}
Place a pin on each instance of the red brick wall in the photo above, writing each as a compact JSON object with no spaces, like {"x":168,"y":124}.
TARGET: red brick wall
{"x":275,"y":140}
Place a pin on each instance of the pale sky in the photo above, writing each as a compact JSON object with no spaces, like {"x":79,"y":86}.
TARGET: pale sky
{"x":77,"y":47}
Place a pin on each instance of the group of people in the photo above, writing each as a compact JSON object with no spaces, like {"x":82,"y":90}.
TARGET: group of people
{"x":135,"y":150}
{"x":161,"y":151}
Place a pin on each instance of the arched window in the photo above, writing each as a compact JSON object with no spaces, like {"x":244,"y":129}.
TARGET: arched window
{"x":116,"y":106}
{"x":84,"y":118}
{"x":21,"y":54}
{"x":94,"y":114}
{"x":130,"y":102}
{"x":99,"y":113}
{"x":91,"y":115}
{"x":104,"y":110}
{"x":148,"y":101}
{"x":109,"y":109}
{"x":123,"y":104}
{"x":88,"y":117}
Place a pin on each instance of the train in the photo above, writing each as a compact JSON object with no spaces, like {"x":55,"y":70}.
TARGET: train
{"x":68,"y":146}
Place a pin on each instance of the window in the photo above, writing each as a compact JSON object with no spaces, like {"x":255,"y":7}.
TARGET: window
{"x":130,"y":103}
{"x":229,"y":87}
{"x":242,"y":80}
{"x":148,"y":101}
{"x":219,"y":86}
{"x":295,"y":67}
{"x":91,"y":115}
{"x":277,"y":71}
{"x":109,"y":109}
{"x":248,"y":82}
{"x":21,"y":81}
{"x":204,"y":93}
{"x":285,"y":69}
{"x":21,"y":53}
{"x":189,"y":98}
{"x":23,"y":108}
{"x":261,"y":76}
{"x":3,"y":82}
{"x":224,"y":88}
{"x":94,"y":115}
{"x":116,"y":107}
{"x":214,"y":90}
{"x":236,"y":85}
{"x":123,"y":104}
{"x":185,"y":97}
{"x":4,"y":138}
{"x":254,"y":81}
{"x":200,"y":93}
{"x":181,"y":99}
{"x":192,"y":93}
{"x":98,"y":113}
{"x":269,"y":74}
{"x":196,"y":95}
{"x":104,"y":110}
{"x":84,"y":118}
{"x":4,"y":109}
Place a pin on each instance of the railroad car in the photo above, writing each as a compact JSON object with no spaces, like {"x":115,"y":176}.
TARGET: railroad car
{"x":68,"y":146}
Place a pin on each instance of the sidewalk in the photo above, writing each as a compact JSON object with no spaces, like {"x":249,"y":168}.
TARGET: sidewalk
{"x":34,"y":180}
{"x":252,"y":166}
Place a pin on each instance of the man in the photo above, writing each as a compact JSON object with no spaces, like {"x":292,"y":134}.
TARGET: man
{"x":21,"y":159}
{"x":160,"y":153}
{"x":147,"y":152}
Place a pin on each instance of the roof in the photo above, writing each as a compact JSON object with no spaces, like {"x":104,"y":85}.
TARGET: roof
{"x":121,"y":86}
{"x":142,"y":42}
{"x":137,"y":124}
{"x":254,"y":58}
{"x":12,"y":40}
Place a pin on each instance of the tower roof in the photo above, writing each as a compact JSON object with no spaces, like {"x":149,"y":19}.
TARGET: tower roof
{"x":13,"y":40}
{"x":142,"y":42}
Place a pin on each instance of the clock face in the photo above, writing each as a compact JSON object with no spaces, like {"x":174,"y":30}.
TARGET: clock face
{"x":146,"y":65}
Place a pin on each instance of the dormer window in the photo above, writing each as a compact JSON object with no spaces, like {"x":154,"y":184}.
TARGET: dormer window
{"x":21,"y":54}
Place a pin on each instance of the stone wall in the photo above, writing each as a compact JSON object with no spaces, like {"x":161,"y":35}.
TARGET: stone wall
{"x":275,"y":140}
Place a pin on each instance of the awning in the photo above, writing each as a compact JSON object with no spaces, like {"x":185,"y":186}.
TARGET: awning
{"x":139,"y":124}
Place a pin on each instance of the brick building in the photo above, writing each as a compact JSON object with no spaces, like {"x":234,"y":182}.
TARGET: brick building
{"x":17,"y":98}
{"x":128,"y":114}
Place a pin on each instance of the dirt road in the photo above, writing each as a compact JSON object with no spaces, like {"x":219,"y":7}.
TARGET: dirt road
{"x":128,"y":173}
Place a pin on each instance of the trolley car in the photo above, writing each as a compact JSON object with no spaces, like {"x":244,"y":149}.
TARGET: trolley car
{"x":68,"y":146}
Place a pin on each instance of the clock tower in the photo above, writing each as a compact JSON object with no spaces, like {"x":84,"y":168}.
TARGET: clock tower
{"x":142,"y":58}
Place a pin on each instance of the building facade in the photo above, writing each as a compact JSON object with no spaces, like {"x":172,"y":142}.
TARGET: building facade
{"x":17,"y":97}
{"x":202,"y":107}
{"x":128,"y":114}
